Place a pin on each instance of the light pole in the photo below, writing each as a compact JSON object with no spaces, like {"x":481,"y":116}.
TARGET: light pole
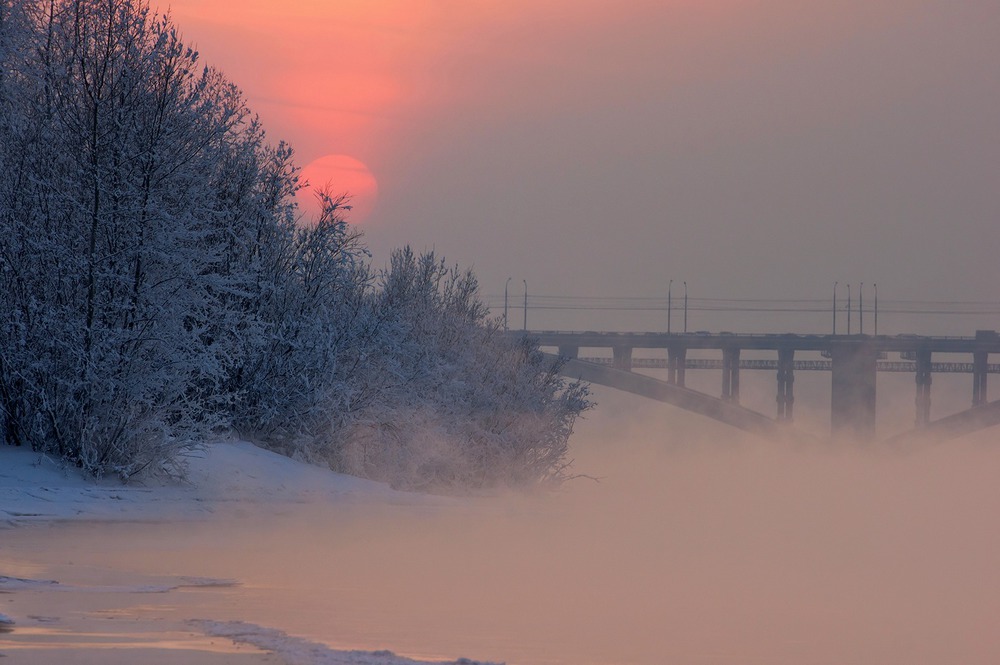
{"x":848,"y":309}
{"x":685,"y":306}
{"x":861,"y":308}
{"x":835,"y":308}
{"x":525,"y":303}
{"x":670,"y":304}
{"x":505,"y":285}
{"x":876,"y":309}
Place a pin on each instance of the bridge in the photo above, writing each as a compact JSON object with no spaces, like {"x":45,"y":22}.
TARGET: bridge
{"x":852,"y":360}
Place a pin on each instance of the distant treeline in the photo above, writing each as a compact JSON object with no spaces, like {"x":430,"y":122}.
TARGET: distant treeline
{"x":158,"y":285}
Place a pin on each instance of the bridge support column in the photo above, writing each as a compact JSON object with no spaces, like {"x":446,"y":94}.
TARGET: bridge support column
{"x":980,"y":360}
{"x":923,"y":379}
{"x":676,"y":364}
{"x":786,"y":382}
{"x":731,"y":375}
{"x":852,"y":401}
{"x":622,"y":358}
{"x":571,"y":352}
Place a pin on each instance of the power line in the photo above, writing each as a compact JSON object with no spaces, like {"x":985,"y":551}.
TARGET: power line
{"x":753,"y":305}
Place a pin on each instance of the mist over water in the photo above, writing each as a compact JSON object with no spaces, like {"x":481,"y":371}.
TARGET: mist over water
{"x":697,"y":545}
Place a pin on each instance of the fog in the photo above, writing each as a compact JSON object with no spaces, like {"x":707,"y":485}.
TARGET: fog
{"x":690,"y":544}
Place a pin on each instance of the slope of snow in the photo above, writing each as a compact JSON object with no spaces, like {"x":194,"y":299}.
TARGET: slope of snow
{"x":298,"y":651}
{"x":227,"y":478}
{"x":224,"y":476}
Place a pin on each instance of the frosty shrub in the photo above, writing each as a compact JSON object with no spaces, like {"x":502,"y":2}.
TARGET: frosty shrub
{"x":459,"y":405}
{"x":291,"y":380}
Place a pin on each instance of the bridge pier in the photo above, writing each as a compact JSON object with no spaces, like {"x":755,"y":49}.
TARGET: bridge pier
{"x":852,"y":400}
{"x":676,"y":365}
{"x":923,"y":379}
{"x":570,"y":352}
{"x":622,"y":358}
{"x":786,"y":382}
{"x":731,"y":374}
{"x":853,"y":365}
{"x":980,"y":360}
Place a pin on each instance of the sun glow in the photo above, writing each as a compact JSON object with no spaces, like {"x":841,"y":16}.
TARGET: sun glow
{"x":339,"y":174}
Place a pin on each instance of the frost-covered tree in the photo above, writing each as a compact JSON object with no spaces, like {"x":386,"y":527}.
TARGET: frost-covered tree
{"x":115,"y":232}
{"x":292,"y":380}
{"x":157,"y":284}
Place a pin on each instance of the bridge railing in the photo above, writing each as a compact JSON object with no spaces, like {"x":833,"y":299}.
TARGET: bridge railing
{"x":698,"y":334}
{"x":803,"y":365}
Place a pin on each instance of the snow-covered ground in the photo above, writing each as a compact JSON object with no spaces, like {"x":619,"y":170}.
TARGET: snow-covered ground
{"x":224,"y":476}
{"x":44,"y":618}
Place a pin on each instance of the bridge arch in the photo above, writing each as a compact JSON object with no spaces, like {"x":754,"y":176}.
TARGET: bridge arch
{"x":852,"y":361}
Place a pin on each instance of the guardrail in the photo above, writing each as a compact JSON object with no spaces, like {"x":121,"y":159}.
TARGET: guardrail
{"x":799,"y":365}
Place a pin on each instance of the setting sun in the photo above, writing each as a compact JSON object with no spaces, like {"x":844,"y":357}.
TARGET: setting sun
{"x":341,"y":174}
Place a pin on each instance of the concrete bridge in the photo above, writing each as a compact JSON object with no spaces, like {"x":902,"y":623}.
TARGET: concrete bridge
{"x":852,"y":360}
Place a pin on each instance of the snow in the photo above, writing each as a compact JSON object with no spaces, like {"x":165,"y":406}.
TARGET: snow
{"x":297,"y":651}
{"x":226,"y":476}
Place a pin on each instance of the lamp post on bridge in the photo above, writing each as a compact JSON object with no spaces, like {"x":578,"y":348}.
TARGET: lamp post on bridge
{"x":685,"y":306}
{"x":835,"y":308}
{"x":876,"y":309}
{"x":525,"y":303}
{"x":505,"y":285}
{"x":670,"y":304}
{"x":848,"y":309}
{"x":861,"y":308}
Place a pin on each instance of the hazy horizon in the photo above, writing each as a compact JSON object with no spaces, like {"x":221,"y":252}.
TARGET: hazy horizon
{"x":754,"y":150}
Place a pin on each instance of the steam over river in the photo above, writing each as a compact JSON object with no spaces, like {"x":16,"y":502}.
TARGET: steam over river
{"x":697,"y":545}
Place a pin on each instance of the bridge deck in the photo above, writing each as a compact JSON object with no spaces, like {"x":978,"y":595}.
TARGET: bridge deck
{"x":984,"y":341}
{"x":805,"y":365}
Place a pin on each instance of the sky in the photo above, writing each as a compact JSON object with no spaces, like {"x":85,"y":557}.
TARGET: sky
{"x":753,"y":149}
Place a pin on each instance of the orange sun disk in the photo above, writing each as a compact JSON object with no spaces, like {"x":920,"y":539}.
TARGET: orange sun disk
{"x":341,"y":174}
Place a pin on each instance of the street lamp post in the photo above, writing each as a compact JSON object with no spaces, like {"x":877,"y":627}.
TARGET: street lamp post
{"x":861,"y":308}
{"x":835,"y":308}
{"x":685,"y":306}
{"x":525,"y":303}
{"x":670,"y":304}
{"x":876,"y":308}
{"x":505,"y":285}
{"x":848,"y":309}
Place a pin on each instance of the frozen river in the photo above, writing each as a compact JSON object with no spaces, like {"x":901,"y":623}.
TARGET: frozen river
{"x":696,"y":546}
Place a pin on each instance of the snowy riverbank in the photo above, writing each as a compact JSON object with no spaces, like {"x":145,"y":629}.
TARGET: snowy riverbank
{"x":231,"y":477}
{"x":46,"y":619}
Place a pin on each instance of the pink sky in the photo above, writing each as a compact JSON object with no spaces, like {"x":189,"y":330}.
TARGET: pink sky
{"x":752,"y":149}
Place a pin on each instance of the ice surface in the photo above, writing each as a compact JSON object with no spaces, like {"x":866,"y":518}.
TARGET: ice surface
{"x":298,"y":651}
{"x":25,"y":584}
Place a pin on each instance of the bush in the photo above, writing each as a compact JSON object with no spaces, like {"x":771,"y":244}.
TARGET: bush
{"x":460,"y":404}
